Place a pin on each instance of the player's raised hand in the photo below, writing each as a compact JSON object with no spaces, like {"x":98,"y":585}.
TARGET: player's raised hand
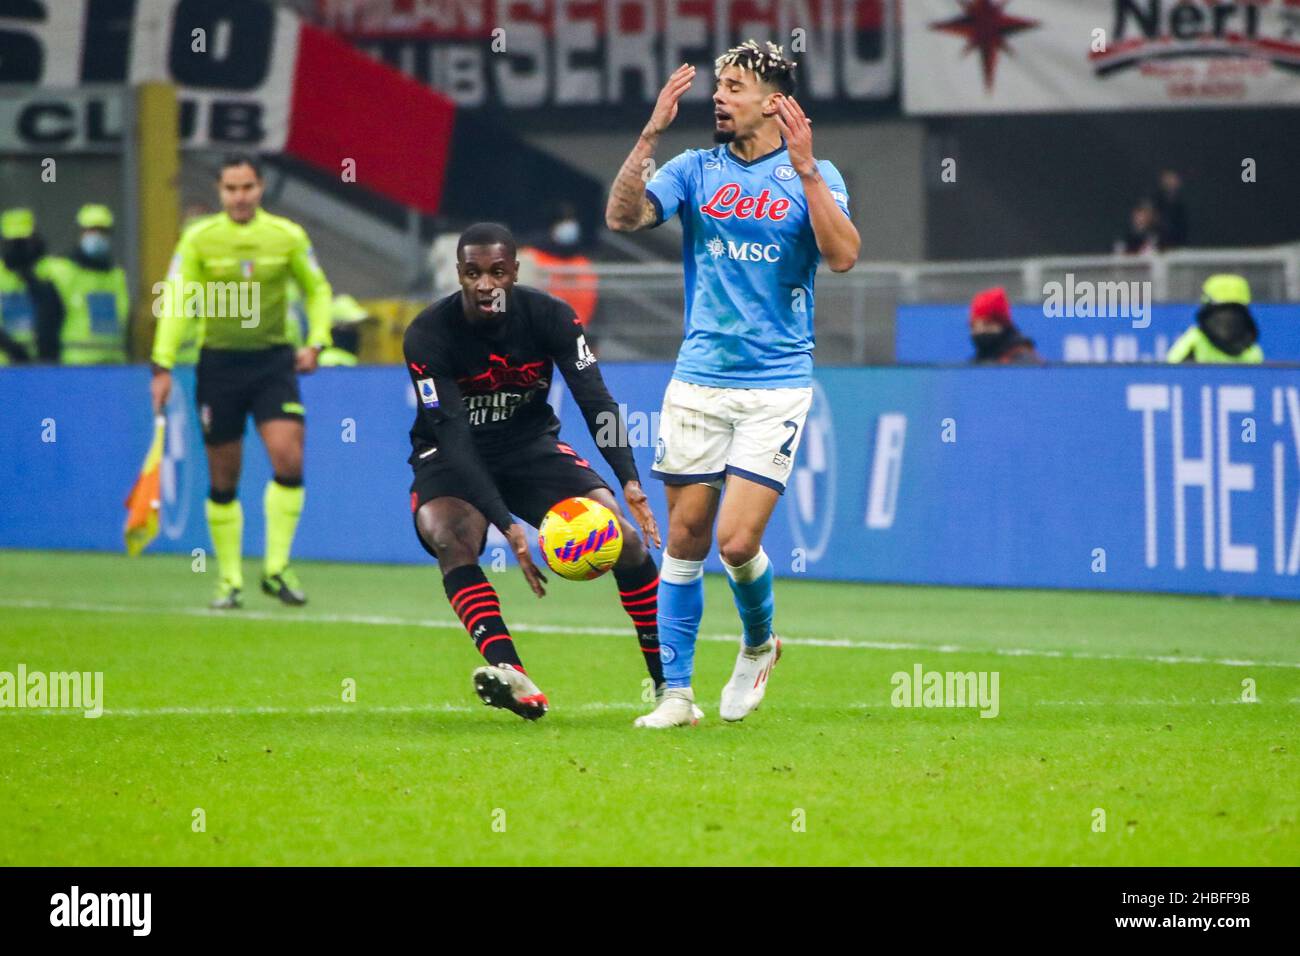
{"x":665,"y":110}
{"x":639,"y":505}
{"x":518,"y":539}
{"x":796,"y":127}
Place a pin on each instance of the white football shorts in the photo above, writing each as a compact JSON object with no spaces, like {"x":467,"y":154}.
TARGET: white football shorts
{"x":707,"y":433}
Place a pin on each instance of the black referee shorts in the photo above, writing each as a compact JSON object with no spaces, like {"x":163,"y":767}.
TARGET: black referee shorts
{"x":532,"y":477}
{"x":232,"y":384}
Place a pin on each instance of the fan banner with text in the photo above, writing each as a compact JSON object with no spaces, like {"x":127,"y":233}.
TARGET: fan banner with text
{"x":593,"y":59}
{"x":249,"y":75}
{"x":1008,"y":56}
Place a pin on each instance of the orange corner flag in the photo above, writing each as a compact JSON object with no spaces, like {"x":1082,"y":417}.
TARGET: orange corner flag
{"x":143,"y":502}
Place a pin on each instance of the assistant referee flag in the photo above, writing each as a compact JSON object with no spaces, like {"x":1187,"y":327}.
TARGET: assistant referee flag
{"x":143,"y":502}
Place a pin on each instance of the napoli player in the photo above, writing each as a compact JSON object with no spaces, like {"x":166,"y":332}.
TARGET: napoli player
{"x":758,"y":214}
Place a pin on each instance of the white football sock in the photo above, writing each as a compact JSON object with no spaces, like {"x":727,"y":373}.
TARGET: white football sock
{"x":751,"y":570}
{"x":680,"y":571}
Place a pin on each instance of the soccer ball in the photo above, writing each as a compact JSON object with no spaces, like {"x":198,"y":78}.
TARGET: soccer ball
{"x":580,"y":539}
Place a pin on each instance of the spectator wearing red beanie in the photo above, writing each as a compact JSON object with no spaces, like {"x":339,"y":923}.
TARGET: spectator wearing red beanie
{"x":996,"y":338}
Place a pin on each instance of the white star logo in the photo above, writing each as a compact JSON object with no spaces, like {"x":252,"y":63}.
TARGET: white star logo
{"x":715,"y":247}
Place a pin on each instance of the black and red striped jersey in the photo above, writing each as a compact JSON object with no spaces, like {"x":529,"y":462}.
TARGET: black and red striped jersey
{"x":481,"y":387}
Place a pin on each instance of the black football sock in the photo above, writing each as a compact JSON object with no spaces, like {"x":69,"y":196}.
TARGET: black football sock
{"x":476,"y":603}
{"x":638,"y":589}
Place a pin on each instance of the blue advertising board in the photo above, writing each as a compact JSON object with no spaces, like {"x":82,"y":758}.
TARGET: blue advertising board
{"x":1148,"y":478}
{"x":940,"y":334}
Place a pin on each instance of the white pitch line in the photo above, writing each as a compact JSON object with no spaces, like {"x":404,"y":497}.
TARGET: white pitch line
{"x":402,"y":709}
{"x":884,"y":704}
{"x":379,"y":620}
{"x":307,"y":711}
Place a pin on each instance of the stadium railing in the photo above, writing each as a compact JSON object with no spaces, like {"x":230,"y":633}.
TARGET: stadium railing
{"x":640,"y":310}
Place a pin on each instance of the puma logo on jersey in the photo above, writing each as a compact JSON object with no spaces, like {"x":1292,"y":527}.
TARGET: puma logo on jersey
{"x":501,"y":374}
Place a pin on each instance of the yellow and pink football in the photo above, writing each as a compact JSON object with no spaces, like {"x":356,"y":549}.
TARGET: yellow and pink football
{"x":580,"y":539}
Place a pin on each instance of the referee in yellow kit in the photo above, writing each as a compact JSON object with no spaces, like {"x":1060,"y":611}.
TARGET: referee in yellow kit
{"x":231,"y":273}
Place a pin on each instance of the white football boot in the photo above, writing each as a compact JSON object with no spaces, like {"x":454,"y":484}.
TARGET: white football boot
{"x":659,"y":699}
{"x":503,"y":686}
{"x":744,"y":692}
{"x":676,"y":709}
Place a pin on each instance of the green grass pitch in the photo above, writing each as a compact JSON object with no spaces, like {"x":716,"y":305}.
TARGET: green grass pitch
{"x":1127,"y":704}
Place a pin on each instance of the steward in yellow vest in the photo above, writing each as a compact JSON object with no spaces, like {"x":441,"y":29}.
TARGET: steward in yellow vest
{"x":31,"y":311}
{"x":94,"y":294}
{"x":1225,"y":331}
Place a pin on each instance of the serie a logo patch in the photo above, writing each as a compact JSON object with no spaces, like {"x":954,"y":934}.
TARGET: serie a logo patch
{"x":428,"y":394}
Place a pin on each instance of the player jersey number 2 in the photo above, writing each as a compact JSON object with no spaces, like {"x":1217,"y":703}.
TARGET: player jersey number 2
{"x":787,"y":448}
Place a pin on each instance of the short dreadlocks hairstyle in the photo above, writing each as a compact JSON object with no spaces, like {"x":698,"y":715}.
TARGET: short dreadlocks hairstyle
{"x":486,"y":234}
{"x":767,"y":62}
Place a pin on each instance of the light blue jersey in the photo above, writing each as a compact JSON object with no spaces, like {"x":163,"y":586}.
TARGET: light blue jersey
{"x":749,"y":256}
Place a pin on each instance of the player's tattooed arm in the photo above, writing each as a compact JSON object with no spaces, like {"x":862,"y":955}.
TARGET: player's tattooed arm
{"x":628,"y":209}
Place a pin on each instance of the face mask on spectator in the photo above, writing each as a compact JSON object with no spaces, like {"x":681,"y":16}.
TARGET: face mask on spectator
{"x":95,"y":245}
{"x":989,"y":344}
{"x":1229,"y":326}
{"x":566,"y":233}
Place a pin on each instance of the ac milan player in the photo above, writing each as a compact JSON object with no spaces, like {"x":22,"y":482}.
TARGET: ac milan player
{"x":758,"y":214}
{"x":485,"y":444}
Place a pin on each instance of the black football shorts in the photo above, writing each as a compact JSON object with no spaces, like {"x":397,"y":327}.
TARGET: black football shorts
{"x":531,"y":477}
{"x":231,"y":385}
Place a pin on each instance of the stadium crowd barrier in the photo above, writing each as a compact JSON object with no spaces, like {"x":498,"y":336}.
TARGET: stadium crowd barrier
{"x":940,"y":334}
{"x":640,"y":310}
{"x":1147,"y":478}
